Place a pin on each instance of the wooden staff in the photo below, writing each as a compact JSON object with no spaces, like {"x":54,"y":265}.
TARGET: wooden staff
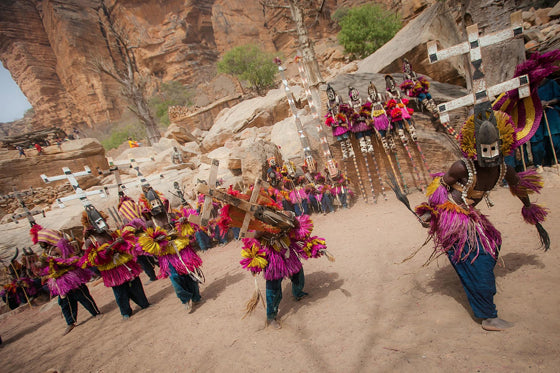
{"x":523,"y":157}
{"x":550,"y":138}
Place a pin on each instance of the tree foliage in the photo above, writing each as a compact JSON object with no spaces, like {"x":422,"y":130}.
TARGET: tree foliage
{"x":120,"y":133}
{"x":169,"y":94}
{"x":249,"y":63}
{"x":365,"y":29}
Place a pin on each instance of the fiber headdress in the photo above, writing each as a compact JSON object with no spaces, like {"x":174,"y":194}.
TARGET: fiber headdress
{"x":526,"y":113}
{"x":517,"y":119}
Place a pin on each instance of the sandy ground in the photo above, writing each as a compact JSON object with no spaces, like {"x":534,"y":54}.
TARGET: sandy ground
{"x":366,"y":311}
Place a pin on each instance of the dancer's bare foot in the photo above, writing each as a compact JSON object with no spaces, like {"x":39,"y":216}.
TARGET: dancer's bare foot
{"x":496,"y":324}
{"x":69,"y":329}
{"x":274,"y":324}
{"x":189,"y":306}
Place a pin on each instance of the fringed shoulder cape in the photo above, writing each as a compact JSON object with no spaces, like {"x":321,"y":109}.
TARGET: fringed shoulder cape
{"x":464,"y":228}
{"x":172,"y":248}
{"x":114,"y":259}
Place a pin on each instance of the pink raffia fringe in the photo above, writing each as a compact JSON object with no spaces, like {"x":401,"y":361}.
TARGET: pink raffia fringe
{"x":534,"y":213}
{"x":66,"y":249}
{"x":304,"y":228}
{"x":281,"y":264}
{"x":529,"y":182}
{"x":69,"y":281}
{"x":121,"y":274}
{"x":381,"y":123}
{"x":439,"y":196}
{"x":188,"y":258}
{"x":452,"y":227}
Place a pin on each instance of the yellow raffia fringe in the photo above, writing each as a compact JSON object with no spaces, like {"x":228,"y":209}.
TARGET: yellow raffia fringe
{"x":93,"y":254}
{"x":186,"y":230}
{"x":377,"y":113}
{"x":118,"y":259}
{"x":148,"y":243}
{"x":54,"y":273}
{"x":179,"y":243}
{"x":258,"y":259}
{"x":307,"y":249}
{"x":433,"y":186}
{"x":468,"y":142}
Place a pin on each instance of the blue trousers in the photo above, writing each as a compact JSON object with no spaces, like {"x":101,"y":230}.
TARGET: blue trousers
{"x":202,"y":240}
{"x":185,"y":287}
{"x":327,"y":203}
{"x":314,"y":204}
{"x":479,"y":282}
{"x":147,"y":263}
{"x":422,"y":96}
{"x":303,"y":209}
{"x":69,"y":304}
{"x":359,"y":135}
{"x":220,"y":236}
{"x":236,"y":231}
{"x":344,"y":199}
{"x":127,"y":291}
{"x":274,"y":293}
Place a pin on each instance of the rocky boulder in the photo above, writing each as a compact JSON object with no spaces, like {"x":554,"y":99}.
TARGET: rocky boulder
{"x":179,"y":134}
{"x":435,"y":23}
{"x":256,"y":112}
{"x":24,"y":172}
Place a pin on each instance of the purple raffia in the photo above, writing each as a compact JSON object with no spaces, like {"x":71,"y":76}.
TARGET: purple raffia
{"x":69,"y":281}
{"x":304,"y":228}
{"x":381,"y":122}
{"x":534,"y":213}
{"x":137,"y":224}
{"x":66,"y":249}
{"x":439,"y":196}
{"x":248,"y":243}
{"x":186,"y":257}
{"x":537,"y":67}
{"x":281,"y":265}
{"x":317,"y":245}
{"x":452,"y":227}
{"x":359,"y":126}
{"x":529,"y":182}
{"x":121,"y":274}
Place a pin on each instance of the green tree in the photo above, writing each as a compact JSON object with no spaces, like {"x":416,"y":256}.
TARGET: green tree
{"x":365,"y":29}
{"x":249,"y":63}
{"x":170,"y":94}
{"x":119,"y":134}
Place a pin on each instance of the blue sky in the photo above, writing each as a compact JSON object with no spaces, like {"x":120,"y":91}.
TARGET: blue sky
{"x":13,"y":103}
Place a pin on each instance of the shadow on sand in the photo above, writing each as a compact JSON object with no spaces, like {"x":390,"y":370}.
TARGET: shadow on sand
{"x":317,"y":284}
{"x":446,"y":281}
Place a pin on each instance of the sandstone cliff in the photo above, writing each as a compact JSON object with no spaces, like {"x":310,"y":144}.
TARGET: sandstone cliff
{"x":48,"y":46}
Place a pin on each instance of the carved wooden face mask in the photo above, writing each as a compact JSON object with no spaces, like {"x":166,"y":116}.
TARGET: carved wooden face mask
{"x":331,"y":95}
{"x":96,"y":219}
{"x":156,"y":206}
{"x":487,"y":139}
{"x":372,"y":92}
{"x":407,"y":68}
{"x":353,"y":93}
{"x":390,"y":83}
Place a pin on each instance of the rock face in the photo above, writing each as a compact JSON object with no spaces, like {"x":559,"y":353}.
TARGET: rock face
{"x":23,"y":173}
{"x":49,"y":45}
{"x":445,"y":23}
{"x":256,"y":112}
